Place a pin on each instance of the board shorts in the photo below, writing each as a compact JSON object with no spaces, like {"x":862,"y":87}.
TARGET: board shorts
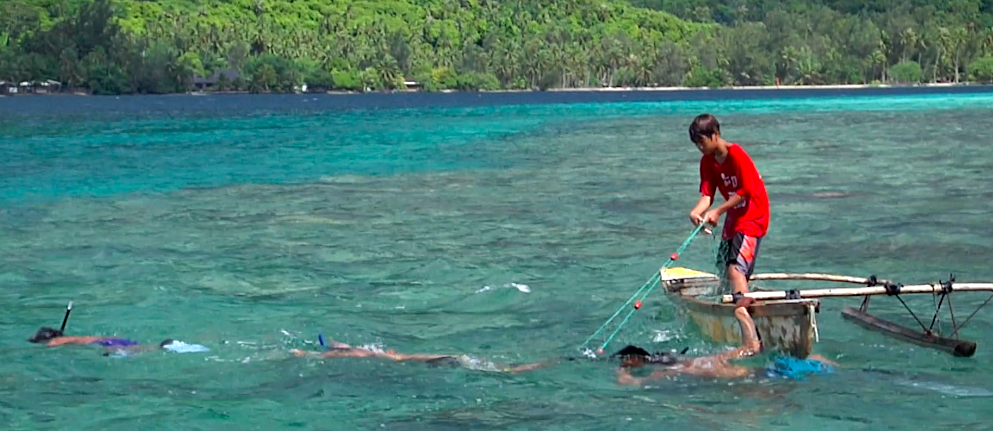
{"x":788,"y":367}
{"x":115,"y":342}
{"x":740,"y":251}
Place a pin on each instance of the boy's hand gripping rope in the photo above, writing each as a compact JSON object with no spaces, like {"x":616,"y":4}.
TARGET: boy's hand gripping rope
{"x":646,"y":288}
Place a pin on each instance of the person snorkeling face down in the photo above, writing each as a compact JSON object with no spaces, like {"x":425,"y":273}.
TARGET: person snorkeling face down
{"x":54,"y":337}
{"x":717,"y":365}
{"x":342,"y":350}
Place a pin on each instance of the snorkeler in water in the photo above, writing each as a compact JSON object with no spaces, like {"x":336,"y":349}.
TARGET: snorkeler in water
{"x":54,"y":337}
{"x":119,"y":346}
{"x":342,"y":350}
{"x":717,"y":365}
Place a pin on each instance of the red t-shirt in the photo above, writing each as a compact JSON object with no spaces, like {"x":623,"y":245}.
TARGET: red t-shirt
{"x":737,"y":175}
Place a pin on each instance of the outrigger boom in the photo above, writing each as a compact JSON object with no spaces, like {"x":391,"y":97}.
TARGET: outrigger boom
{"x":859,"y":291}
{"x":925,"y":338}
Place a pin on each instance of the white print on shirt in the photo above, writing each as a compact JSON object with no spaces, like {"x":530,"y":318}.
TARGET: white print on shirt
{"x":732,"y":183}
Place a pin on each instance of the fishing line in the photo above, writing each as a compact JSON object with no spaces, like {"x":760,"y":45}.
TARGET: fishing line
{"x":644,"y":290}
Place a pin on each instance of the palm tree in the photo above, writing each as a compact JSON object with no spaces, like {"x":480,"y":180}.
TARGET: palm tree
{"x":908,"y":41}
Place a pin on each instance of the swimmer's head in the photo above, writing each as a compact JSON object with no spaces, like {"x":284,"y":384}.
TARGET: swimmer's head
{"x":444,"y":361}
{"x":165,"y":343}
{"x":633,"y":356}
{"x":45,"y":334}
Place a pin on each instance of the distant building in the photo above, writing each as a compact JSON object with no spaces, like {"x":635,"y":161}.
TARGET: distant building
{"x":412,"y":85}
{"x":30,"y":87}
{"x":202,"y":83}
{"x":46,"y":86}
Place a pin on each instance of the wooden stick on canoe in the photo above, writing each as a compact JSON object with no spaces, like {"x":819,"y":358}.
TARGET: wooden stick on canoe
{"x":818,"y":277}
{"x":863,"y":291}
{"x":870,"y":281}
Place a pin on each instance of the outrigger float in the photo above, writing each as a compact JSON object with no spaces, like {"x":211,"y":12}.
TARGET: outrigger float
{"x":786,"y":319}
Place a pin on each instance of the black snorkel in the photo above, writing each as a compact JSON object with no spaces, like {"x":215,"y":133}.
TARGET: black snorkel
{"x":46,"y":334}
{"x":66,"y":318}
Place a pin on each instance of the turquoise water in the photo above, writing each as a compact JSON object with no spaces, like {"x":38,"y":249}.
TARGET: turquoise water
{"x":506,"y":232}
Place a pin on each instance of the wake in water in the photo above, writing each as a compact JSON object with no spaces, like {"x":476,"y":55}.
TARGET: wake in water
{"x":920,"y":383}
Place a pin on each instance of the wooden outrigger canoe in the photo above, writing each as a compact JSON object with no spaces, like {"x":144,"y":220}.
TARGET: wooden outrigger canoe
{"x":786,"y":320}
{"x":788,"y":325}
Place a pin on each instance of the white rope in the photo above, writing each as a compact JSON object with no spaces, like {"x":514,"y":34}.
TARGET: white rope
{"x":813,"y":322}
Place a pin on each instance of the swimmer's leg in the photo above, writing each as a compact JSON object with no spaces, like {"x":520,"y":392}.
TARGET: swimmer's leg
{"x":400,"y":357}
{"x":126,"y":350}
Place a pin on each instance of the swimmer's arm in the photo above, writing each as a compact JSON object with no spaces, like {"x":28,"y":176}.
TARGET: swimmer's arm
{"x":60,"y":341}
{"x":400,"y":357}
{"x":352,"y":353}
{"x":624,"y":378}
{"x":740,"y":352}
{"x":822,"y":359}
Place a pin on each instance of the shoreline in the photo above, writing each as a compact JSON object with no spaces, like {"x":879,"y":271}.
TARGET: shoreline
{"x":775,"y":87}
{"x":556,"y":90}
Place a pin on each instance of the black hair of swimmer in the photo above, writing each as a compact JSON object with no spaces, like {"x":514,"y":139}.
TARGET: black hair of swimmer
{"x":166,"y":342}
{"x":444,"y":361}
{"x":663,"y":358}
{"x":632,"y":351}
{"x":45,"y":334}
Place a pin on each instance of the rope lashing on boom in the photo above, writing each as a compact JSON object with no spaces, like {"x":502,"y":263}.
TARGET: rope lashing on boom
{"x":644,"y":290}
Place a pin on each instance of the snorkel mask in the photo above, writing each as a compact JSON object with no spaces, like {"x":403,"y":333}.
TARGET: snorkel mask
{"x":630,"y":353}
{"x":45,"y":334}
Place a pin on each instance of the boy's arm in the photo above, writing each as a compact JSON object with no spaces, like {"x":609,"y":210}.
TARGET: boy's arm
{"x":701,"y":206}
{"x":725,"y":207}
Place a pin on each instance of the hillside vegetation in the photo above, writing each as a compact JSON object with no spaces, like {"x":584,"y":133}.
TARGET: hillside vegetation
{"x":140,"y":46}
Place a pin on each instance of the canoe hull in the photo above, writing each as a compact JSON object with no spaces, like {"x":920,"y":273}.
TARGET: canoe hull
{"x":784,"y":325}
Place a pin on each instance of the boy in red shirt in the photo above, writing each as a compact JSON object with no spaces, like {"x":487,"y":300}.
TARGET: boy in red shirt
{"x":727,"y":167}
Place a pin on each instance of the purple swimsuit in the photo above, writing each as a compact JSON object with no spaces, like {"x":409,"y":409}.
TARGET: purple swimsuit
{"x":110,"y":342}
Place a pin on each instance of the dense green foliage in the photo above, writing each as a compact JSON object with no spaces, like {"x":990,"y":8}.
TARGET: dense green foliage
{"x":141,"y":46}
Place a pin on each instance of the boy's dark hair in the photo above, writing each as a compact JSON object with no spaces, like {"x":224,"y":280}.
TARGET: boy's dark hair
{"x":704,"y":125}
{"x":165,"y":342}
{"x":45,"y":334}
